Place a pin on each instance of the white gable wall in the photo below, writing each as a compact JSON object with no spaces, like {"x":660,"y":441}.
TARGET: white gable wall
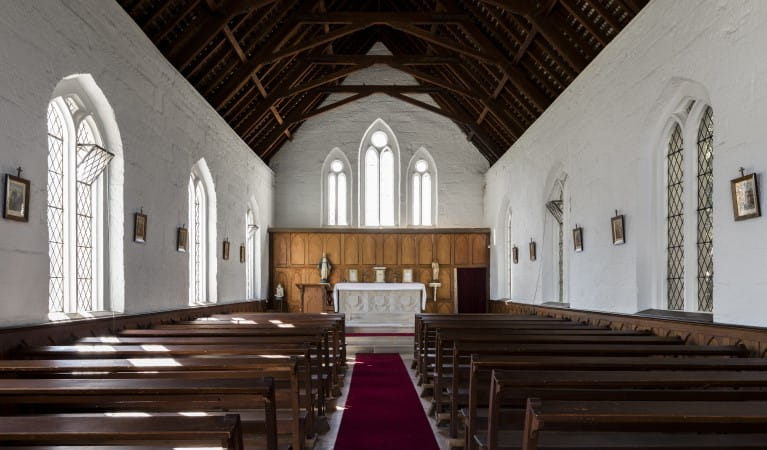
{"x":460,"y":166}
{"x":165,"y":126}
{"x":606,"y":133}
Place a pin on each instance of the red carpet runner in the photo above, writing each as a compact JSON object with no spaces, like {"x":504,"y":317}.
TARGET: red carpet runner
{"x":383,"y":410}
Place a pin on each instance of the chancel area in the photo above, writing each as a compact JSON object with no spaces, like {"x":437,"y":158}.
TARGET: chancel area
{"x":378,"y":224}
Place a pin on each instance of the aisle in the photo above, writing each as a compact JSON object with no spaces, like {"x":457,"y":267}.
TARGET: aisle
{"x":383,"y":410}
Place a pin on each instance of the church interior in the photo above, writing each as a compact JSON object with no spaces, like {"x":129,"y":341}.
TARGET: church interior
{"x":379,"y":224}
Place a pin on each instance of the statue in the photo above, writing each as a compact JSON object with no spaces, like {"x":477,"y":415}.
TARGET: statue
{"x":435,"y":271}
{"x":279,"y":291}
{"x":325,"y":268}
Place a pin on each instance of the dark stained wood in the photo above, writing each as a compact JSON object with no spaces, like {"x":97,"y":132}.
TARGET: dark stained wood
{"x":267,"y":65}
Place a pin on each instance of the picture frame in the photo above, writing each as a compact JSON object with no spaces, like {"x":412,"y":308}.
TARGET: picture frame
{"x":139,"y":227}
{"x":226,"y":250}
{"x":242,"y":253}
{"x":182,"y":238}
{"x":353,"y":276}
{"x":16,"y":204}
{"x":533,"y":254}
{"x":617,"y":224}
{"x":745,"y":197}
{"x":578,"y":239}
{"x":515,"y":254}
{"x":407,"y":275}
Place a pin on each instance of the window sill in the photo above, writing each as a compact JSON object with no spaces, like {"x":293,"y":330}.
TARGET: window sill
{"x":62,"y":317}
{"x":702,"y":317}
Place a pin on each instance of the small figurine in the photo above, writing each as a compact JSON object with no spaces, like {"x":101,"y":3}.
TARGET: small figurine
{"x":325,"y":268}
{"x":435,"y":271}
{"x":279,"y":291}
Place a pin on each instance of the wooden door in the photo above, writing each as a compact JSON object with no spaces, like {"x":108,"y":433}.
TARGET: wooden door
{"x":472,"y":289}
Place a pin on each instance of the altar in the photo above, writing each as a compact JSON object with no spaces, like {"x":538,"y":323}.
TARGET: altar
{"x":379,"y":303}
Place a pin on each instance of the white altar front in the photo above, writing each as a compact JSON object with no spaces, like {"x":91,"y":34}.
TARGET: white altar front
{"x":379,"y":303}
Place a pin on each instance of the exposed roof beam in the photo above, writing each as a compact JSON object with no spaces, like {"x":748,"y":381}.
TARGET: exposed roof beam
{"x":379,"y":18}
{"x":379,"y":88}
{"x":411,"y":60}
{"x":587,"y":23}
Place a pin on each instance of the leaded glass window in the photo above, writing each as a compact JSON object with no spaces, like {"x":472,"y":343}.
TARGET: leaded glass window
{"x":705,"y":210}
{"x":509,"y":254}
{"x":379,"y":185}
{"x":337,"y":194}
{"x":675,"y":220}
{"x":252,"y":256}
{"x":421,"y":193}
{"x":75,"y":209}
{"x":197,"y":240}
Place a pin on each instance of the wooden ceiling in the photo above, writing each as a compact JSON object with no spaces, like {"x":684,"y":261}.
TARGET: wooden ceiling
{"x":491,"y":66}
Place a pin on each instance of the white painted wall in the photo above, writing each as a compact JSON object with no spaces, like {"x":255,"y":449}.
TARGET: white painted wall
{"x":460,"y":166}
{"x":165,"y":127}
{"x":606,"y":131}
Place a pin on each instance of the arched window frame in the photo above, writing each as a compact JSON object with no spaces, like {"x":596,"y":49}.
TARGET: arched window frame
{"x":509,"y":243}
{"x":415,"y":182}
{"x":327,"y":206}
{"x":696,"y":244}
{"x":85,"y":230}
{"x":385,"y":186}
{"x":252,"y":255}
{"x":203,"y":263}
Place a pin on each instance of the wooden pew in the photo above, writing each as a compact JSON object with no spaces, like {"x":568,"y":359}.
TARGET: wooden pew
{"x":447,"y":338}
{"x":515,"y":387}
{"x":482,"y":366}
{"x":683,"y":424}
{"x":164,"y":395}
{"x":72,"y":430}
{"x":284,"y":370}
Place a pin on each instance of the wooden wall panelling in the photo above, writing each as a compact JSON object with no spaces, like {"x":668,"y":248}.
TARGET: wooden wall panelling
{"x":408,"y":250}
{"x":368,"y":245}
{"x":461,"y":250}
{"x":332,"y":246}
{"x":443,"y":249}
{"x":315,"y":249}
{"x":425,"y":248}
{"x":390,"y":250}
{"x":280,"y":249}
{"x":478,"y":249}
{"x":297,"y":248}
{"x":351,"y":249}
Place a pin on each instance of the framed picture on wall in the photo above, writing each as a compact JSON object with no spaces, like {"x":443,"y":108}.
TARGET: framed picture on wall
{"x":515,"y":254}
{"x":533,"y":254}
{"x":619,"y":231}
{"x":182,"y":236}
{"x":139,"y":228}
{"x":242,"y":253}
{"x":745,"y":197}
{"x":16,"y":198}
{"x":226,"y":250}
{"x":578,"y":239}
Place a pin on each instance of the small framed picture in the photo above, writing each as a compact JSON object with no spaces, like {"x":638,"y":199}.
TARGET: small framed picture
{"x":407,"y":275}
{"x":226,"y":251}
{"x":353,"y":276}
{"x":533,"y":254}
{"x":745,"y":197}
{"x":515,"y":254}
{"x":619,"y":232}
{"x":139,"y":228}
{"x":16,"y":198}
{"x":182,"y":236}
{"x":578,"y":239}
{"x":242,"y":253}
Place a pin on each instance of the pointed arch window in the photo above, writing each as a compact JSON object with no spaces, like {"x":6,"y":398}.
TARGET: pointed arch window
{"x":337,"y":194}
{"x":690,"y":210}
{"x":509,"y":254}
{"x":198,"y":240}
{"x":252,"y":256}
{"x":76,"y":206}
{"x":380,"y":201}
{"x":422,"y":188}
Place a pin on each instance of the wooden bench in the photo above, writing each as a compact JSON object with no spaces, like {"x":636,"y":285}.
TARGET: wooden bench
{"x":482,"y":366}
{"x":290,"y":394}
{"x":672,"y":418}
{"x":165,"y":395}
{"x":69,"y":430}
{"x":515,"y":387}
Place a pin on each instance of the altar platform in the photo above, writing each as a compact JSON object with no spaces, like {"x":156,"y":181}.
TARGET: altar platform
{"x":379,"y":304}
